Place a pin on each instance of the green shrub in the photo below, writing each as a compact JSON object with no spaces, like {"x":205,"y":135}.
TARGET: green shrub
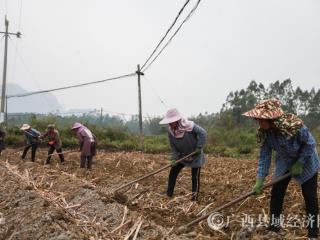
{"x":129,"y":145}
{"x":156,"y":148}
{"x":107,"y":145}
{"x":156,"y":144}
{"x":70,"y":143}
{"x":41,"y":124}
{"x":216,"y":150}
{"x":15,"y":140}
{"x":245,"y":149}
{"x":247,"y":139}
{"x":113,"y":134}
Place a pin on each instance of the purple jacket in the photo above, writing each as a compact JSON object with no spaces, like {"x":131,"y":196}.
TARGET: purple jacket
{"x":87,"y":141}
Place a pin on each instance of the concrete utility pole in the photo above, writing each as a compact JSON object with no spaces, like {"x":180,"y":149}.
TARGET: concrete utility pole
{"x":4,"y":80}
{"x":140,"y":108}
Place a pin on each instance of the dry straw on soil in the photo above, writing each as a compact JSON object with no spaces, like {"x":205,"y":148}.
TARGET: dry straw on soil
{"x":65,"y":202}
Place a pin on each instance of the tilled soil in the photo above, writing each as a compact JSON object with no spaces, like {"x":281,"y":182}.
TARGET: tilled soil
{"x":65,"y":202}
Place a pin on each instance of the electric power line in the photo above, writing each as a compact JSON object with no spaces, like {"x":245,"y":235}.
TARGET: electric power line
{"x":156,"y":93}
{"x":127,"y":75}
{"x":167,"y":32}
{"x":17,"y":53}
{"x":178,"y":29}
{"x":16,"y":45}
{"x":71,"y":86}
{"x":14,"y":61}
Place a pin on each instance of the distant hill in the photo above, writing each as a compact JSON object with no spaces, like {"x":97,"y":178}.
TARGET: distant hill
{"x":39,"y":103}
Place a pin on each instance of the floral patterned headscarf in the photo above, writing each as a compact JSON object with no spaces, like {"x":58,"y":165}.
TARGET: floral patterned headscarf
{"x":286,"y":123}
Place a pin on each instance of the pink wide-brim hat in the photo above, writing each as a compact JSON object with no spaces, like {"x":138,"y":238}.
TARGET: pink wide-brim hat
{"x":25,"y":126}
{"x":76,"y":125}
{"x":172,"y":115}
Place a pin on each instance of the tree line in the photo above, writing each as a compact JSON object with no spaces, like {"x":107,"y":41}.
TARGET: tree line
{"x":228,"y":130}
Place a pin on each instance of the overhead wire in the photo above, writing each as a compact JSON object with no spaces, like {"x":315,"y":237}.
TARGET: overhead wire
{"x":167,"y":32}
{"x":175,"y":33}
{"x":156,"y":93}
{"x":144,"y":67}
{"x":16,"y":53}
{"x":13,"y":72}
{"x":31,"y":75}
{"x":28,"y":69}
{"x":56,"y":89}
{"x":14,"y":61}
{"x":72,"y":86}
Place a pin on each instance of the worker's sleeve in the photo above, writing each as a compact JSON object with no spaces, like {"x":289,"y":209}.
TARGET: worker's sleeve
{"x":80,"y":138}
{"x":174,"y":151}
{"x":95,"y":139}
{"x":36,"y":133}
{"x":44,"y":135}
{"x":29,"y":137}
{"x":264,"y":160}
{"x":57,"y":137}
{"x":201,"y":135}
{"x":307,"y":143}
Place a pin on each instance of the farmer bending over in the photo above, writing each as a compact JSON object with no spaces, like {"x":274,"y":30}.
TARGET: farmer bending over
{"x":54,"y":143}
{"x":32,"y":138}
{"x":87,"y":143}
{"x":185,"y":137}
{"x":295,"y":152}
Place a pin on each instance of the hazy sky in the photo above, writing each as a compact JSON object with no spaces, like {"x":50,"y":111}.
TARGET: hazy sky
{"x":225,"y":45}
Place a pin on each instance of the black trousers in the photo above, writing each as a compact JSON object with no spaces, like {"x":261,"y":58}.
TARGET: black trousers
{"x":309,"y":192}
{"x":86,"y":161}
{"x":195,"y":180}
{"x":51,"y":150}
{"x":33,"y":151}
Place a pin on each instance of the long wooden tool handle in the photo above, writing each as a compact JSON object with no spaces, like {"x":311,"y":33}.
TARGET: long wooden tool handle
{"x":21,"y":148}
{"x":153,"y":173}
{"x":279,"y":179}
{"x":65,"y":152}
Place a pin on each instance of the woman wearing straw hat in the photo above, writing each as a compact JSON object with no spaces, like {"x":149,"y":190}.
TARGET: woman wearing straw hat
{"x":296,"y":152}
{"x":87,"y":144}
{"x":185,"y":137}
{"x":32,"y":137}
